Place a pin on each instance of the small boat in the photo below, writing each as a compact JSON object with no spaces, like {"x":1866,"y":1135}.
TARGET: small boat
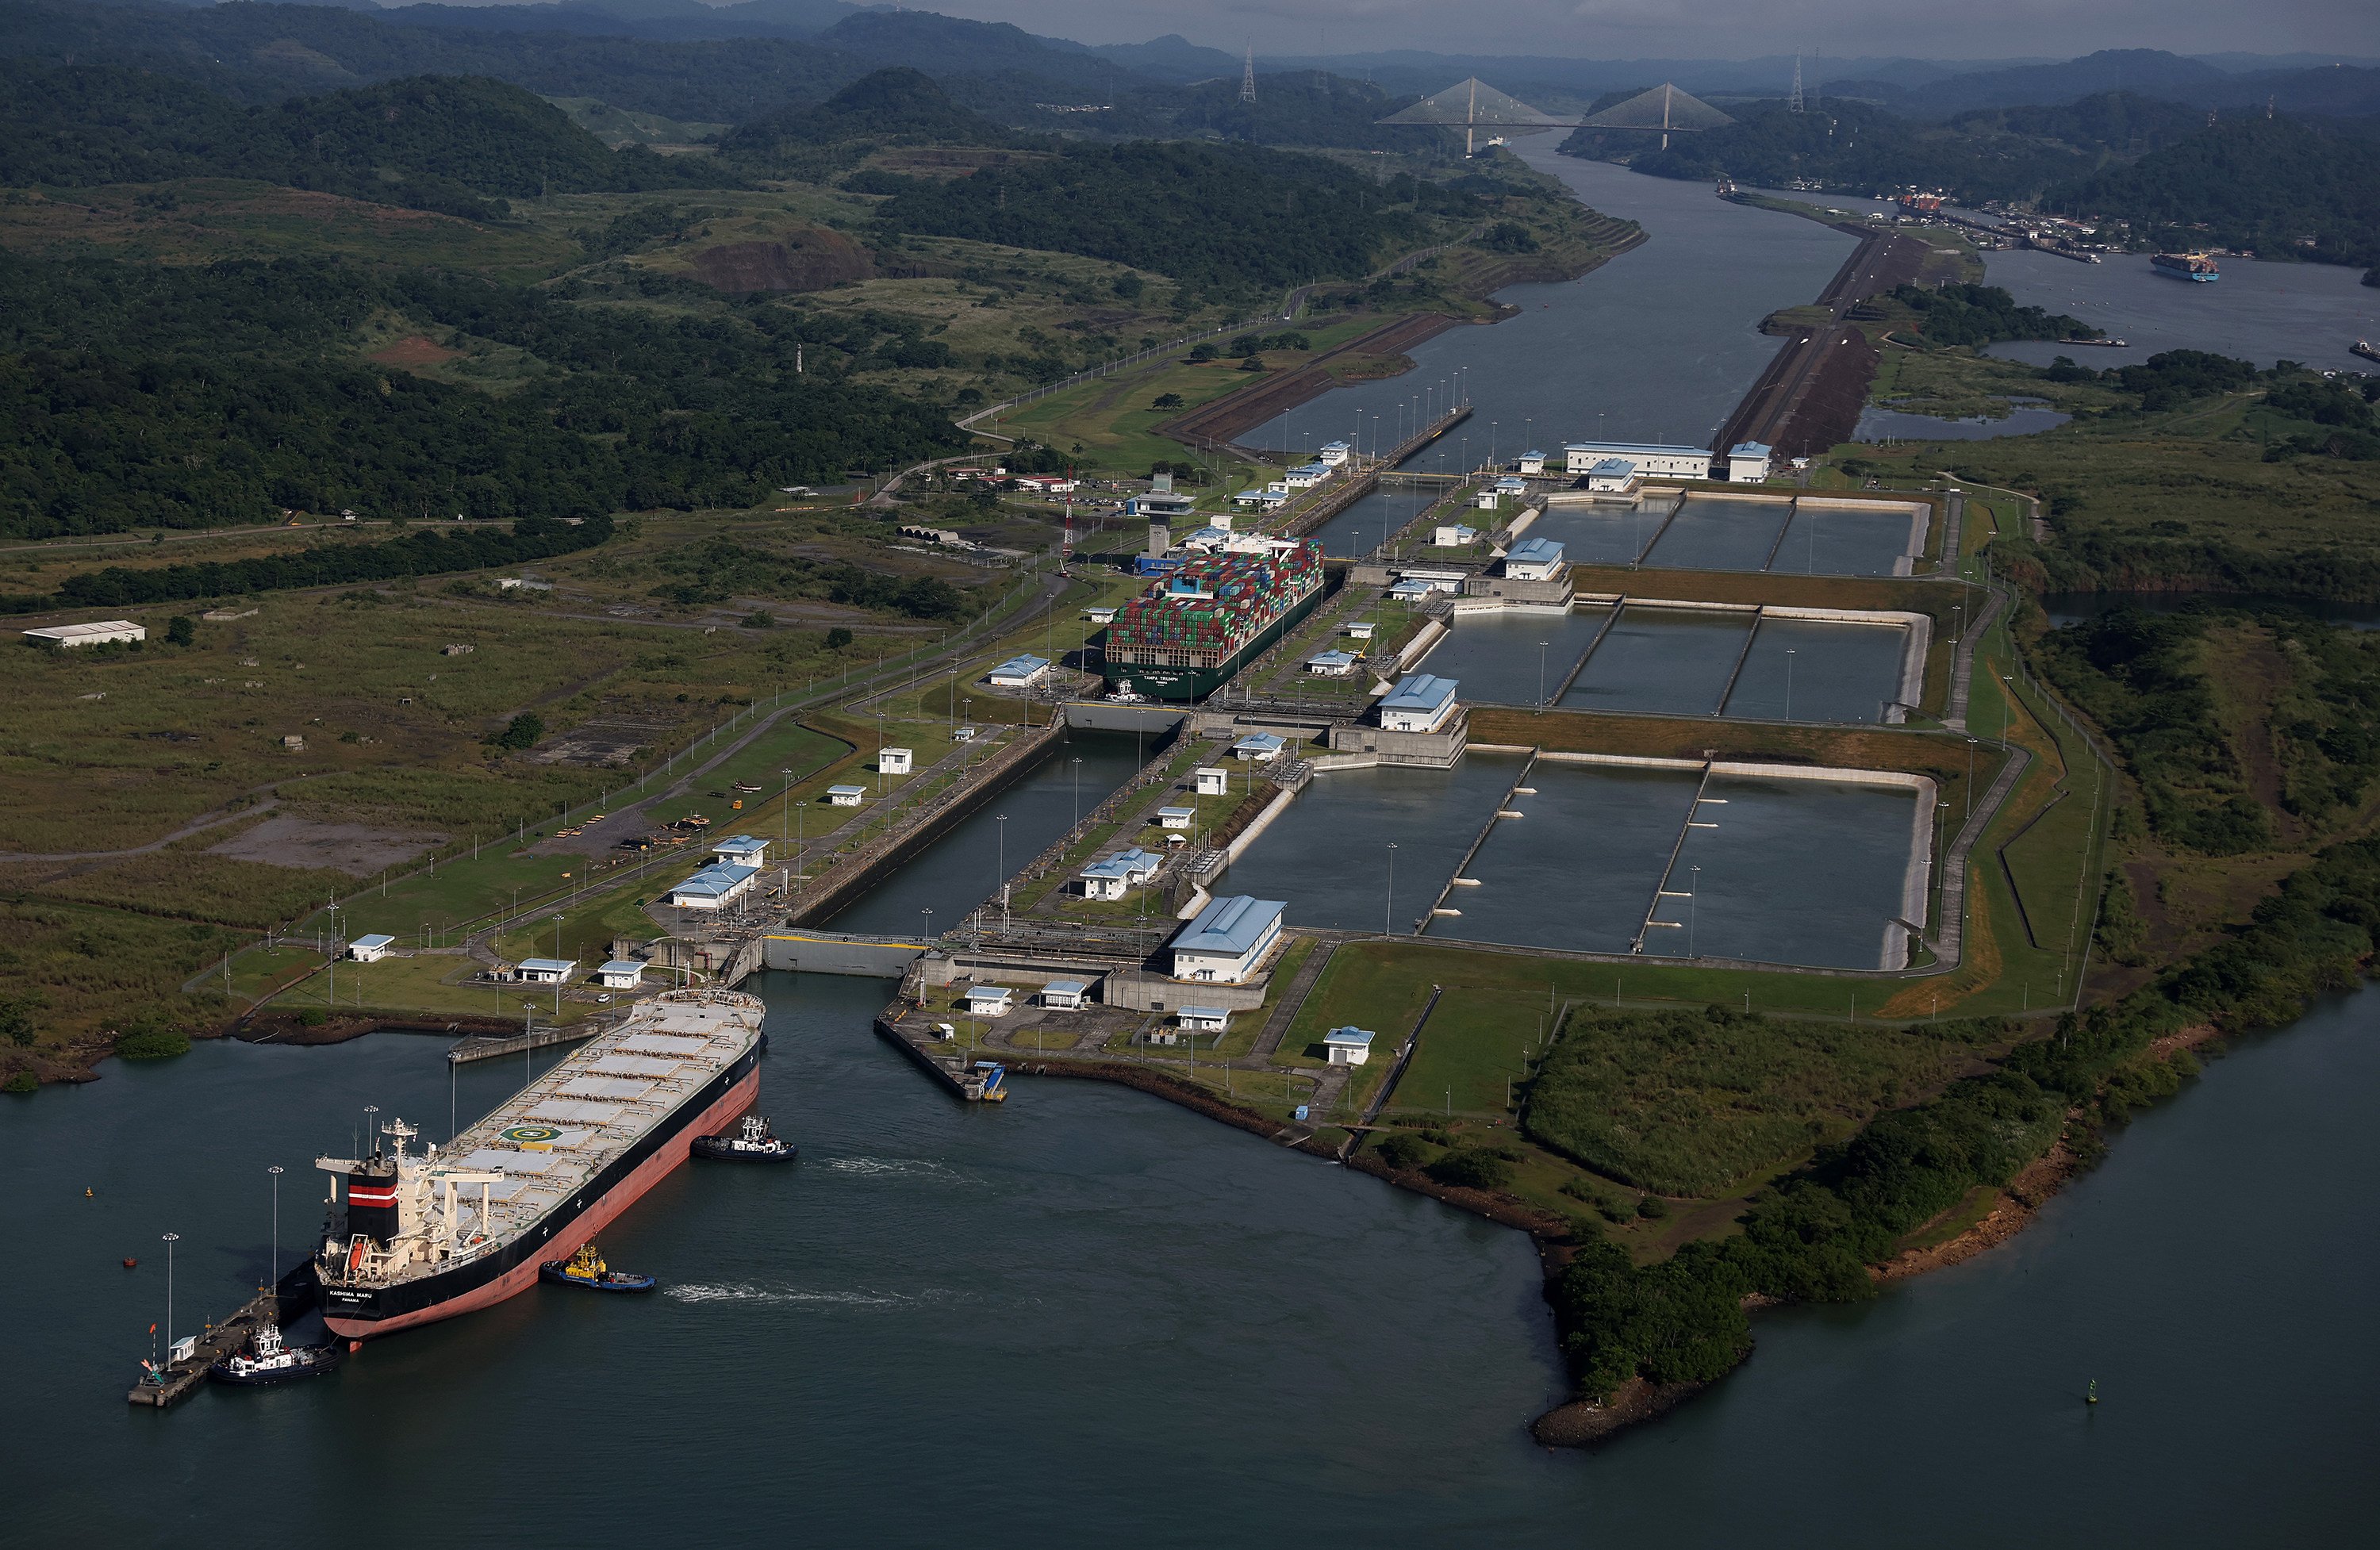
{"x":585,"y":1269}
{"x":2365,"y":349}
{"x":268,"y":1360}
{"x":751,"y":1142}
{"x":132,"y":1265}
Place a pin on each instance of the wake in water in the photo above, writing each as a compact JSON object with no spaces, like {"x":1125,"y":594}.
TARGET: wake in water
{"x":854,"y":1297}
{"x":900,"y":1168}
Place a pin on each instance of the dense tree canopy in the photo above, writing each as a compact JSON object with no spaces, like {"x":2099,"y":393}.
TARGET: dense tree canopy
{"x":1206,"y":214}
{"x":440,"y":143}
{"x":192,"y":397}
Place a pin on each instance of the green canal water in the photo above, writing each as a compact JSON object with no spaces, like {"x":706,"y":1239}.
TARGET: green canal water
{"x":1092,"y":1316}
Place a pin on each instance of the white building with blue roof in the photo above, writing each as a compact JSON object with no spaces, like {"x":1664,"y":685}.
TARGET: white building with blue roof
{"x":1612,"y":475}
{"x":1111,"y":876}
{"x":1748,"y":461}
{"x":1533,"y":462}
{"x":1535,"y":560}
{"x":1021,"y":671}
{"x":1227,"y":940}
{"x":714,"y":887}
{"x":1655,"y":459}
{"x":1423,"y":702}
{"x":1333,"y":453}
{"x":1260,"y":747}
{"x":741,"y":851}
{"x":371,"y":948}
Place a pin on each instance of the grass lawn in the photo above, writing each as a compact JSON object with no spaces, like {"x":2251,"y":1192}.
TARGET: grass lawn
{"x":430,"y":983}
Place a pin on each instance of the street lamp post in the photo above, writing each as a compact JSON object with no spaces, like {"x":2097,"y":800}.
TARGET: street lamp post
{"x":1789,"y":683}
{"x":171,"y":1239}
{"x":273,"y":1278}
{"x":1389,"y":910}
{"x":1694,"y":899}
{"x":1541,"y":675}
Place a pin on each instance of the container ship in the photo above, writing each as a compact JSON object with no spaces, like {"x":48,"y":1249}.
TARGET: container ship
{"x":412,"y":1238}
{"x":2201,"y":267}
{"x":1195,"y":628}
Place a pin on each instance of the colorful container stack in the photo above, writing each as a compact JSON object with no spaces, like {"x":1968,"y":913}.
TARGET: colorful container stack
{"x":1201,"y":621}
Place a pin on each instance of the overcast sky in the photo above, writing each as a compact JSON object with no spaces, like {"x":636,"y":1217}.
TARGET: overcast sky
{"x":1708,"y":28}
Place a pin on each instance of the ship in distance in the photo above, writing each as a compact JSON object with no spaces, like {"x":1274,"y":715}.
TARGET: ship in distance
{"x":2200,"y":267}
{"x":414,"y":1237}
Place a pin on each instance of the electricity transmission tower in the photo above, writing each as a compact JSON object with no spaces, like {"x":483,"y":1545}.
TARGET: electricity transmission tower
{"x":1248,"y":77}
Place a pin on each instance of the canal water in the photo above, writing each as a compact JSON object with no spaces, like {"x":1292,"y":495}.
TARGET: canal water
{"x":1658,"y":344}
{"x":1093,"y":1308}
{"x":2263,"y":312}
{"x":1806,"y":872}
{"x":967,"y":865}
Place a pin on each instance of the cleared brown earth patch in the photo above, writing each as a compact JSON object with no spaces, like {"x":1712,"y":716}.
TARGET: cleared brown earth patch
{"x":357,"y":849}
{"x":413,"y":352}
{"x":810,"y":259}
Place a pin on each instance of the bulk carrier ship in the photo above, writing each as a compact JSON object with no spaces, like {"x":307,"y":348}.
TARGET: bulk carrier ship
{"x":1190,"y":633}
{"x":413,"y":1238}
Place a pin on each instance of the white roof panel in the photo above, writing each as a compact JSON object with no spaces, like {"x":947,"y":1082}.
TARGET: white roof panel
{"x":622,"y":1088}
{"x":680,"y":1045}
{"x":632,"y":1065}
{"x":573,"y":1111}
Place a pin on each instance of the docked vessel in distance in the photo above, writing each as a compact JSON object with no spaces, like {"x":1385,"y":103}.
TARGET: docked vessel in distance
{"x":268,"y":1360}
{"x":411,"y":1238}
{"x":1195,"y":627}
{"x":2365,"y":349}
{"x":2201,"y":267}
{"x":752,"y":1141}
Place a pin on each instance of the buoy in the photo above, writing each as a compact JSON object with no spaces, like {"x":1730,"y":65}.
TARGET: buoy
{"x":86,"y":1191}
{"x":131,"y":1264}
{"x":2093,"y":1396}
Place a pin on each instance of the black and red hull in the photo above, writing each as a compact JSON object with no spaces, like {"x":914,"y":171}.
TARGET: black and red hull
{"x":358,"y":1313}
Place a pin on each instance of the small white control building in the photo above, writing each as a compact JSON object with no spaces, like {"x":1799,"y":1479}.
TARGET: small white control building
{"x":621,"y":973}
{"x":1360,"y":629}
{"x":1424,"y":702}
{"x":1203,"y":1020}
{"x":989,"y":1000}
{"x":1347,"y":1047}
{"x":1332,"y":664}
{"x":1177,"y":817}
{"x":1259,"y":747}
{"x":1533,"y":462}
{"x":845,"y":797}
{"x":1210,"y":780}
{"x":1112,"y":876}
{"x":1747,"y":461}
{"x":547,"y":971}
{"x":1333,"y":453}
{"x":1065,"y":995}
{"x":894,"y":762}
{"x":1454,"y":535}
{"x":1611,"y":476}
{"x":1227,"y":940}
{"x":1535,"y":560}
{"x":741,"y":851}
{"x":371,"y":948}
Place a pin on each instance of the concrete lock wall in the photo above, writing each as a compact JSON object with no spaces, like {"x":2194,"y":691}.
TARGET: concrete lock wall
{"x":836,"y":952}
{"x":1098,"y":717}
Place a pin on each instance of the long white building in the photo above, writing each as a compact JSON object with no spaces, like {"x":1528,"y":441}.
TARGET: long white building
{"x":1652,"y":460}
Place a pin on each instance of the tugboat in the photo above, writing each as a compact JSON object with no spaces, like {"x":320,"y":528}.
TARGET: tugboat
{"x":2365,"y":349}
{"x":752,"y":1142}
{"x":267,"y":1361}
{"x":585,"y":1269}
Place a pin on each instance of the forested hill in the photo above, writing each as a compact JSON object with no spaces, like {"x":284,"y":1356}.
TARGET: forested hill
{"x":1210,"y":214}
{"x":1993,"y":154}
{"x":2256,"y":183}
{"x":195,"y":396}
{"x":895,"y":106}
{"x":439,"y":143}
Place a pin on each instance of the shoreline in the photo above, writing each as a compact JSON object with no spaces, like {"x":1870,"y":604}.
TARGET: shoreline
{"x":1582,"y":1423}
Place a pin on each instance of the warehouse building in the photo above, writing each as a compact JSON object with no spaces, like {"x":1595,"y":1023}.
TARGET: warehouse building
{"x":1227,"y":940}
{"x":1424,"y":702}
{"x":714,"y":887}
{"x":104,"y":632}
